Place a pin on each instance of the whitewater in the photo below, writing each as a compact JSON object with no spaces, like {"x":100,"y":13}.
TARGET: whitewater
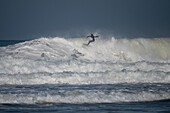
{"x":60,"y":70}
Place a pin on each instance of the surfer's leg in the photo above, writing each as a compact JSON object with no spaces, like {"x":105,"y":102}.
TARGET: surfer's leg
{"x":90,"y":42}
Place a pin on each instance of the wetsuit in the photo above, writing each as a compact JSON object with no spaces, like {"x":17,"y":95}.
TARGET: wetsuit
{"x":93,"y":38}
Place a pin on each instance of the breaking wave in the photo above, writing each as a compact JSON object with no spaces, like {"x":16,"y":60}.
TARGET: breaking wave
{"x":68,"y":61}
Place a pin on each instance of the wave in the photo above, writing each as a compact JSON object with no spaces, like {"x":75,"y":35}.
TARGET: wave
{"x":54,"y":94}
{"x":156,"y":49}
{"x":68,"y":61}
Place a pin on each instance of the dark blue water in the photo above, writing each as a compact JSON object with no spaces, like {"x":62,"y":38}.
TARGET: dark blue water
{"x":9,"y":42}
{"x":138,"y":107}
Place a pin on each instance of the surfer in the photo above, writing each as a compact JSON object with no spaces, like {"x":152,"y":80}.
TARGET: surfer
{"x":93,"y":38}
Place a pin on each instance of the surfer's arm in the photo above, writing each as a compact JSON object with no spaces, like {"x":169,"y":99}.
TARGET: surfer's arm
{"x":88,"y":36}
{"x":96,"y":36}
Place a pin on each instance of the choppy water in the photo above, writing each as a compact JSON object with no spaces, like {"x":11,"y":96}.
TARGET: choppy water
{"x":63,"y":75}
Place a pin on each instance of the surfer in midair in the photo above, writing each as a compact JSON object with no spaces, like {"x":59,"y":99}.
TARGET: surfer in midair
{"x":93,"y":38}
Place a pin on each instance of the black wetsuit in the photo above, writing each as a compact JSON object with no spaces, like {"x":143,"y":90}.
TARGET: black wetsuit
{"x":93,"y":38}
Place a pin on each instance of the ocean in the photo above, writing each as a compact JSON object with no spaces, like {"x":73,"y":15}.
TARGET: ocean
{"x":62,"y":75}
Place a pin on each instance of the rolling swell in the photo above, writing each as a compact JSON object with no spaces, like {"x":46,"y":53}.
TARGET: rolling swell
{"x":94,"y":93}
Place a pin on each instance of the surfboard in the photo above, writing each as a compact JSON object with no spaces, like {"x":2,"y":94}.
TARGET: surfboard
{"x":85,"y":44}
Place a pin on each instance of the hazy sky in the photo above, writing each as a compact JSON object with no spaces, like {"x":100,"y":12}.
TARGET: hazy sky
{"x":28,"y":19}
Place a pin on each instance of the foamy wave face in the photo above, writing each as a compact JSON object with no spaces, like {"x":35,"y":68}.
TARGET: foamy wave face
{"x":61,"y":61}
{"x":102,"y":50}
{"x":85,"y":73}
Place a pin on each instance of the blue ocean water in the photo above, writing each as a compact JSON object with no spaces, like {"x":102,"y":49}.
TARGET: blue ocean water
{"x":109,"y":76}
{"x":9,"y":42}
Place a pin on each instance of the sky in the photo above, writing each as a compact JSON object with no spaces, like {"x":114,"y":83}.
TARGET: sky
{"x":30,"y":19}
